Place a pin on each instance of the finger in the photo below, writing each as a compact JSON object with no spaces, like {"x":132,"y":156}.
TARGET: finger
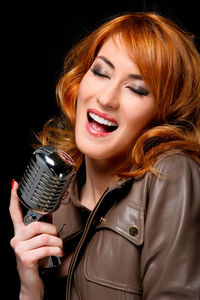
{"x":41,"y":241}
{"x":31,"y":258}
{"x":36,"y":228}
{"x":15,"y":209}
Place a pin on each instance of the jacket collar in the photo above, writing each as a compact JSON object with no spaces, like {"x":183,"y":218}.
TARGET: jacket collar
{"x":78,"y":182}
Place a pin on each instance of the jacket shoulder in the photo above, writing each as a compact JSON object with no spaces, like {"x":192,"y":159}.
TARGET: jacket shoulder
{"x":172,"y":230}
{"x":178,"y":179}
{"x":176,"y":163}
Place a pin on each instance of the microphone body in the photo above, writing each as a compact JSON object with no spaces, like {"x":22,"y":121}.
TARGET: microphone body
{"x":45,"y":182}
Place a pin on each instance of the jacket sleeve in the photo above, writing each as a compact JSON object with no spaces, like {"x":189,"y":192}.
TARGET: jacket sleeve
{"x":170,"y":264}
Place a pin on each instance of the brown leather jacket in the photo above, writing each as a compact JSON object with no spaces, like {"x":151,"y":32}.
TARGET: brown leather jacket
{"x":142,"y":239}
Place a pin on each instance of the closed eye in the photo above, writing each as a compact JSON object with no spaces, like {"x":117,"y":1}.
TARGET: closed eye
{"x":139,"y":91}
{"x":97,"y":72}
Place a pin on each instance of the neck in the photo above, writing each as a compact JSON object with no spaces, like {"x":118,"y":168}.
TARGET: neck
{"x":99,"y":175}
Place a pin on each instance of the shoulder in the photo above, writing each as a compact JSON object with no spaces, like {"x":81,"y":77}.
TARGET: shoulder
{"x":175,"y":163}
{"x":178,"y":183}
{"x":176,"y":173}
{"x":171,"y":231}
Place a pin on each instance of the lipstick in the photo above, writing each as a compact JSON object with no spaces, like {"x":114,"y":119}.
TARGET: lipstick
{"x":100,"y":124}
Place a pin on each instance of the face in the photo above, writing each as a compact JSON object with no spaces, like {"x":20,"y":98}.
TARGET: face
{"x":113,"y":106}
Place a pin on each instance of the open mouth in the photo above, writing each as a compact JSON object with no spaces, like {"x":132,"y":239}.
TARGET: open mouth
{"x":101,"y":124}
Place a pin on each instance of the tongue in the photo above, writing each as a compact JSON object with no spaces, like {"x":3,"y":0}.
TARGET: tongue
{"x":101,"y":127}
{"x":98,"y":127}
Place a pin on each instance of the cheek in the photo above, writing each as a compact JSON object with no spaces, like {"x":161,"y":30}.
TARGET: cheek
{"x":81,"y":93}
{"x":82,"y":96}
{"x":139,"y":116}
{"x":86,"y":86}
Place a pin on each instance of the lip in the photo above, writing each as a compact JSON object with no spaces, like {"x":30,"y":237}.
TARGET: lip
{"x":103,"y":115}
{"x":94,"y":132}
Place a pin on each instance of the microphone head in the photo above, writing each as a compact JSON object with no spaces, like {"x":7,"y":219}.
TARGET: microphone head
{"x":46,"y":179}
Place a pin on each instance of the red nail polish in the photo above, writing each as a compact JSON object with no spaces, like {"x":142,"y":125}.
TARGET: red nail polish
{"x":12,"y":183}
{"x":63,"y":253}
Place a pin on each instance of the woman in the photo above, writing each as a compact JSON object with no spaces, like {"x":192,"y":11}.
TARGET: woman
{"x":128,"y":228}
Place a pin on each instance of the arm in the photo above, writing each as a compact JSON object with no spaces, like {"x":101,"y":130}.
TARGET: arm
{"x":31,"y":243}
{"x":170,"y":256}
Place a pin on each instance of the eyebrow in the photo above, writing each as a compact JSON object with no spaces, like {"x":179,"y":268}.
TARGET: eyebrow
{"x":108,"y":62}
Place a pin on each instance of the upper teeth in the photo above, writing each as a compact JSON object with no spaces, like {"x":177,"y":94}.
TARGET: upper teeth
{"x":101,"y":120}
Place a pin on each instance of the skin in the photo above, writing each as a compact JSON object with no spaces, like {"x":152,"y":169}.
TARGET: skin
{"x":31,"y":243}
{"x":113,"y":87}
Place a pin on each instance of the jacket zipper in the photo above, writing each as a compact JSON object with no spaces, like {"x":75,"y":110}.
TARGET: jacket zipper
{"x":78,"y":248}
{"x":87,"y":227}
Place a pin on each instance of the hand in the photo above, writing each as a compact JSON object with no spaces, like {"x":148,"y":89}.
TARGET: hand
{"x":31,"y":243}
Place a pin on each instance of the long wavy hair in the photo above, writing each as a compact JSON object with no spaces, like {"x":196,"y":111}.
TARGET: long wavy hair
{"x":170,"y":66}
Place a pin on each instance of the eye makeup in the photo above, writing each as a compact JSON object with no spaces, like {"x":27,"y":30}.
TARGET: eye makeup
{"x":99,"y":70}
{"x":141,"y":91}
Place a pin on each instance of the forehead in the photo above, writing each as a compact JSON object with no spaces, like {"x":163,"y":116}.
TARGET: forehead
{"x":114,"y":44}
{"x":116,"y":51}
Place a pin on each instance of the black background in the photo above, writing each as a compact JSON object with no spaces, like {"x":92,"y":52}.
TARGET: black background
{"x":36,"y":39}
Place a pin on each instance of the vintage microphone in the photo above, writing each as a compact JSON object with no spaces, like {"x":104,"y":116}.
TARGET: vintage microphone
{"x":44,"y":184}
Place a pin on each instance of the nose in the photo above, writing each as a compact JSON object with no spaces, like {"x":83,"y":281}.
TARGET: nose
{"x":108,"y":97}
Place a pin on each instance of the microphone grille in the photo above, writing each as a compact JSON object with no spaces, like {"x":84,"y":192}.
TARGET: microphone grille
{"x":46,"y":179}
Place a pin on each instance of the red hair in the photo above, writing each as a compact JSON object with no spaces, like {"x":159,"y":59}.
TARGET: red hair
{"x":169,"y":64}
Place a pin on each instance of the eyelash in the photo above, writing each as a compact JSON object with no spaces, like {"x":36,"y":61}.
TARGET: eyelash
{"x":140,"y":91}
{"x":96,"y":72}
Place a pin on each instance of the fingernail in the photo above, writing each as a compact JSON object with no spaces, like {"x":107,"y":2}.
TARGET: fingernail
{"x":12,"y":183}
{"x":63,"y":253}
